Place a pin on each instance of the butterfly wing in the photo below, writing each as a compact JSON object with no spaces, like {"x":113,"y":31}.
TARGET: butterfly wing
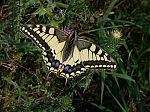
{"x":93,"y":56}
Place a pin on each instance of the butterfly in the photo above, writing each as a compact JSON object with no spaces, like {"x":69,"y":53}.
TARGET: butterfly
{"x":67,"y":54}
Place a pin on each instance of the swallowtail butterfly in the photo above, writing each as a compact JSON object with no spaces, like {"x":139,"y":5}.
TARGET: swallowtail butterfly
{"x":67,"y":55}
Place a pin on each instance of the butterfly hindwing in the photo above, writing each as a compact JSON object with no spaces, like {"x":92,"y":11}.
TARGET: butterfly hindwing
{"x":93,"y":56}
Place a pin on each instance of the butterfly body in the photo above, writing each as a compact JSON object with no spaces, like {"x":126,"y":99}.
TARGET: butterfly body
{"x":66,"y":54}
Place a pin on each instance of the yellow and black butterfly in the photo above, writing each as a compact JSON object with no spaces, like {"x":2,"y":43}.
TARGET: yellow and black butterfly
{"x":65,"y":54}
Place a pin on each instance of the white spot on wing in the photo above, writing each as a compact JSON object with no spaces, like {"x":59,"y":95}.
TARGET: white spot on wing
{"x":99,"y":52}
{"x":92,"y":66}
{"x":28,"y":33}
{"x":96,"y":66}
{"x":37,"y":41}
{"x":38,"y":32}
{"x":108,"y":66}
{"x":40,"y":45}
{"x":55,"y":70}
{"x":46,"y":59}
{"x":32,"y":36}
{"x":93,"y":47}
{"x":100,"y":66}
{"x":23,"y":28}
{"x":105,"y":58}
{"x":43,"y":48}
{"x":83,"y":69}
{"x":44,"y":29}
{"x":37,"y":25}
{"x":72,"y":74}
{"x":102,"y":58}
{"x":106,"y":54}
{"x":49,"y":64}
{"x":51,"y":69}
{"x":35,"y":29}
{"x":78,"y":72}
{"x":44,"y":53}
{"x":51,"y":30}
{"x":87,"y":66}
{"x":104,"y":65}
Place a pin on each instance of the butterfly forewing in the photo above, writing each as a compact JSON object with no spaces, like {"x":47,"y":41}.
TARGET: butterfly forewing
{"x":82,"y":54}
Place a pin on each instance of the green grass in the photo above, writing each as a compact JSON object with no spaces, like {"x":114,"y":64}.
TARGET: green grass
{"x":24,"y":81}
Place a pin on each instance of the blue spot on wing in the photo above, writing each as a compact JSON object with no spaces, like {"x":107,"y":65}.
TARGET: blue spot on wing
{"x":66,"y":68}
{"x":55,"y":64}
